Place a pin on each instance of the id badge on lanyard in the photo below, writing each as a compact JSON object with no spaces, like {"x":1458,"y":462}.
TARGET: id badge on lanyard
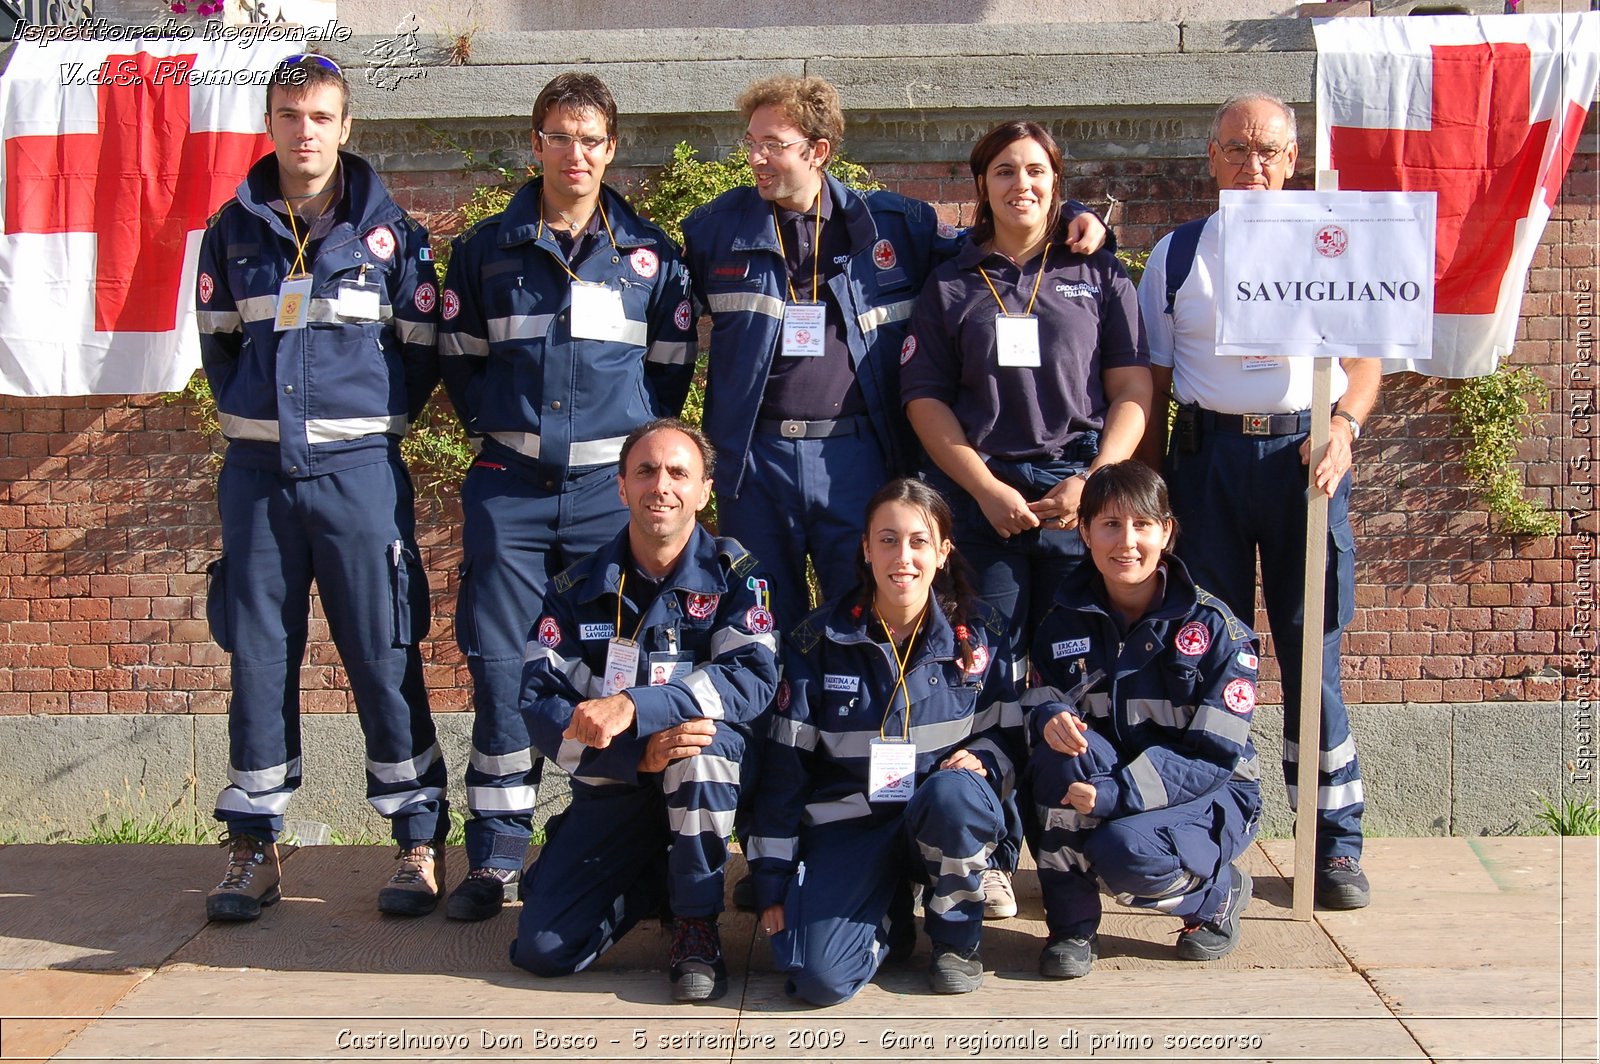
{"x":597,"y":312}
{"x":1016,"y":340}
{"x":892,"y":770}
{"x":622,"y":666}
{"x":803,"y":329}
{"x":669,"y":666}
{"x":294,"y":304}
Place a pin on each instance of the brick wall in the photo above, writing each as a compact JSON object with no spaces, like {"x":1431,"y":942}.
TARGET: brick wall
{"x":108,"y":513}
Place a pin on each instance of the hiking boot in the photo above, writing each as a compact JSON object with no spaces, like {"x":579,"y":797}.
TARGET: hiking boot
{"x":1341,"y":884}
{"x":999,"y":900}
{"x":1067,"y":957}
{"x":482,"y":893}
{"x":418,"y":884}
{"x":250,"y":882}
{"x":954,"y":971}
{"x":698,"y":972}
{"x":1217,"y":936}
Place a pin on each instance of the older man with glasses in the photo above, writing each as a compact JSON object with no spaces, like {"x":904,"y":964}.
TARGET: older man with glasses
{"x":566,"y":323}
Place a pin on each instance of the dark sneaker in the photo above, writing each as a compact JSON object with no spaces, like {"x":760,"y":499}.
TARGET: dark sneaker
{"x":744,"y":894}
{"x":954,"y":971}
{"x":1219,"y":935}
{"x":482,"y":893}
{"x":1067,"y":958}
{"x":999,"y":900}
{"x":418,"y":884}
{"x":250,"y":882}
{"x":1341,"y":884}
{"x":698,"y":972}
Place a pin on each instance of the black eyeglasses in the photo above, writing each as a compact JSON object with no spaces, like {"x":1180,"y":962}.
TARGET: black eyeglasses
{"x":321,"y":60}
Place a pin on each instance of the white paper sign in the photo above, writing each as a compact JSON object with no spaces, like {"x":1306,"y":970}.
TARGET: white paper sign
{"x":1326,"y":274}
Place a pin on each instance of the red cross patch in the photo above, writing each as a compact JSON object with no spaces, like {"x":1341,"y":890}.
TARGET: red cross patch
{"x":700,"y":606}
{"x":980,"y":660}
{"x":549,"y":632}
{"x":426,"y":297}
{"x":644,"y":263}
{"x":452,"y":305}
{"x":381,"y":243}
{"x":758,"y":620}
{"x":208,"y":288}
{"x":682,"y":317}
{"x":908,"y":349}
{"x":1192,"y":640}
{"x":783,"y":695}
{"x":883,"y":255}
{"x":1332,"y":241}
{"x":1239,"y":696}
{"x":947,"y":231}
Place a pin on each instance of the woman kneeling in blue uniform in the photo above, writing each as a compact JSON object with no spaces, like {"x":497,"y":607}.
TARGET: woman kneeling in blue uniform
{"x":893,"y":745}
{"x":1143,"y":774}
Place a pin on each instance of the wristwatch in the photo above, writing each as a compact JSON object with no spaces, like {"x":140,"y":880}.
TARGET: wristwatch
{"x":1355,"y":426}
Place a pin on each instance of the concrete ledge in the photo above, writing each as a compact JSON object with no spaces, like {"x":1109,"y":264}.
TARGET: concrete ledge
{"x":1429,"y":769}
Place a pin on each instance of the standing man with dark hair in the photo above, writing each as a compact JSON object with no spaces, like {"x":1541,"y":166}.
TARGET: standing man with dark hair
{"x":315,"y":298}
{"x":565,"y":324}
{"x":1237,"y":471}
{"x":657,"y":761}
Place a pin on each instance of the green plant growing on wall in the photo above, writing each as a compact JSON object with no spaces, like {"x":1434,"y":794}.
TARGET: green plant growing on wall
{"x":1495,"y":412}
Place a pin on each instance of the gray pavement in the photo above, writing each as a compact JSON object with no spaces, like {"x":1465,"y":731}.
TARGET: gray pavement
{"x":1480,"y":949}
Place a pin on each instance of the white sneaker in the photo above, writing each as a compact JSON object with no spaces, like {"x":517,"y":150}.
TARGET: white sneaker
{"x":999,"y":901}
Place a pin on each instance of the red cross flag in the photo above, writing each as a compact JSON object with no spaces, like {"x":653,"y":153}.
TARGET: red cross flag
{"x":1484,"y":111}
{"x":115,"y":155}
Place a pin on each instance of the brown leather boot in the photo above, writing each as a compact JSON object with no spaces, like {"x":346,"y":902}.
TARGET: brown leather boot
{"x":418,"y":884}
{"x":251,"y":880}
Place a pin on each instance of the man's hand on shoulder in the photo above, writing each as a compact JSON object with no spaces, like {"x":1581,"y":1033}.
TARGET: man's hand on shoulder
{"x":599,"y":720}
{"x":679,"y":741}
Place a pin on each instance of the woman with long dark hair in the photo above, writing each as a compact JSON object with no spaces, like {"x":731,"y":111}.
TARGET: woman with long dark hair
{"x":894,"y":742}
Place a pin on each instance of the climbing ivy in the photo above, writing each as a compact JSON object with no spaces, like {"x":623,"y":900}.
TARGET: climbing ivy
{"x":1495,"y":412}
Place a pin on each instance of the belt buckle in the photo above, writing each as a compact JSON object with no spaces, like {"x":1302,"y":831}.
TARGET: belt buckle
{"x":1256,"y":424}
{"x":793,"y":430}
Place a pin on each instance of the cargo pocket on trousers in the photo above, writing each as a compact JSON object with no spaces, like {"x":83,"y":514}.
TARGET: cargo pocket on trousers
{"x":1341,"y":587}
{"x":408,"y":596}
{"x":789,"y":945}
{"x":466,"y":629}
{"x":217,"y":603}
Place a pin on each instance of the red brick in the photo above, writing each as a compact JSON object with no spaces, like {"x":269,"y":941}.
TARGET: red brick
{"x":1462,"y":691}
{"x":1422,"y":691}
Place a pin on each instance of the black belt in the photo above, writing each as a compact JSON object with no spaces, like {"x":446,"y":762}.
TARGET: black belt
{"x":1256,"y":424}
{"x":812,"y":430}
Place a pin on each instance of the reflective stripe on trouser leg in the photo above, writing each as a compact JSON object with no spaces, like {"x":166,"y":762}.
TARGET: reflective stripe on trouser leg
{"x":702,"y":794}
{"x":954,"y":819}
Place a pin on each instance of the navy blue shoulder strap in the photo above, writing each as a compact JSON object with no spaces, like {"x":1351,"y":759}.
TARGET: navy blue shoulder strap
{"x":1180,"y":256}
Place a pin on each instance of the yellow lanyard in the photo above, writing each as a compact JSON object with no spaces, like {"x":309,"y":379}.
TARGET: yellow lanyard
{"x":1044,"y":260}
{"x":604,"y":221}
{"x":816,"y":252}
{"x":299,"y":244}
{"x":622,"y":582}
{"x":900,"y":680}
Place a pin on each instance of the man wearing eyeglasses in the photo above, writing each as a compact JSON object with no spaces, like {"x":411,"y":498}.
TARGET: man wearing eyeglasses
{"x":1236,"y":469}
{"x":315,"y":298}
{"x":565,"y":324}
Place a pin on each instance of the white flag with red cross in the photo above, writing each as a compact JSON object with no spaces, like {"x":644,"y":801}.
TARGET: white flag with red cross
{"x":1484,"y":111}
{"x":115,"y":155}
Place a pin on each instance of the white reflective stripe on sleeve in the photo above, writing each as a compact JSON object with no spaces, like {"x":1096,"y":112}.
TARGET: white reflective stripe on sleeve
{"x":1011,"y":715}
{"x":395,"y":804}
{"x":263,"y":779}
{"x":247,"y":428}
{"x":403,"y":771}
{"x":502,"y":799}
{"x":1066,"y":818}
{"x":218,"y":321}
{"x":596,"y":452}
{"x":1329,"y":798}
{"x":760,"y":848}
{"x":1097,"y":704}
{"x":946,"y":733}
{"x":704,"y":693}
{"x":1248,"y":769}
{"x":879,"y":316}
{"x":258,"y":308}
{"x":1227,"y":726}
{"x":518,"y":327}
{"x":699,"y":821}
{"x":847,"y":808}
{"x":726,"y":639}
{"x":323,"y":310}
{"x":702,"y":768}
{"x":460,"y":343}
{"x":1159,"y":710}
{"x":416,"y":332}
{"x":745,"y":302}
{"x":1148,"y":782}
{"x":522,"y":442}
{"x":234,"y":800}
{"x":671,"y":353}
{"x":576,"y":672}
{"x":1331,"y":761}
{"x":514,"y":763}
{"x":331,"y":429}
{"x":794,"y":733}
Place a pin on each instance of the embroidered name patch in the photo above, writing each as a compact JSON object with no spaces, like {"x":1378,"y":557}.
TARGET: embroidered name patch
{"x":596,"y":631}
{"x":1068,"y":647}
{"x":846,"y":684}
